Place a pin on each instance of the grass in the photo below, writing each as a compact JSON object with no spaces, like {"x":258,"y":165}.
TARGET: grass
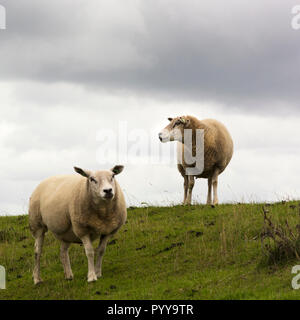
{"x":178,"y":252}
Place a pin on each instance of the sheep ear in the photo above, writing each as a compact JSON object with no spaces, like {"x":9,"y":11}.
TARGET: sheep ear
{"x":187,"y":122}
{"x":117,"y":169}
{"x":170,"y":119}
{"x":84,"y":173}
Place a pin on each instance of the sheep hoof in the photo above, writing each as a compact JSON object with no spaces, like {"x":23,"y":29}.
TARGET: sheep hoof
{"x":37,"y":282}
{"x":99,"y":275}
{"x":92,"y":278}
{"x":70,"y":278}
{"x":213,"y":206}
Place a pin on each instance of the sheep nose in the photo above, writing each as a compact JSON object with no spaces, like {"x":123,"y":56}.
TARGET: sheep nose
{"x":160,"y":136}
{"x":107,"y":191}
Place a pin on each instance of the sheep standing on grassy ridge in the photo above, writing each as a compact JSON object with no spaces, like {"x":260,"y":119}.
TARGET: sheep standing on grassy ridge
{"x":77,"y":209}
{"x":218,"y":150}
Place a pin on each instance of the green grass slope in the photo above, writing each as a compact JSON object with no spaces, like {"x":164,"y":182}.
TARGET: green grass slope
{"x":194,"y":252}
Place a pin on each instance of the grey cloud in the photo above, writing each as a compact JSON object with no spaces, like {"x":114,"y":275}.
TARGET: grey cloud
{"x":242,"y":54}
{"x":71,"y":68}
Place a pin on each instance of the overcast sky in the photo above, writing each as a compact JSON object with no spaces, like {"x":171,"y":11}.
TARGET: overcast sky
{"x":70,"y":69}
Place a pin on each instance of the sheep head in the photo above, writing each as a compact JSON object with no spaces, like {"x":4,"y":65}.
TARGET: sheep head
{"x":101,"y":184}
{"x":174,"y":131}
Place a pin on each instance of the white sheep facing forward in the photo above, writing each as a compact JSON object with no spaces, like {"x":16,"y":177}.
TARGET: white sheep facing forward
{"x":77,"y":209}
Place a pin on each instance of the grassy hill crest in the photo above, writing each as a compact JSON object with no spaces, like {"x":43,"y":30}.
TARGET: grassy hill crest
{"x":194,"y":252}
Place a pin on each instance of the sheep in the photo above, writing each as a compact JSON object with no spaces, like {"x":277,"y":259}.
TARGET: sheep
{"x":77,"y":209}
{"x":217,"y":152}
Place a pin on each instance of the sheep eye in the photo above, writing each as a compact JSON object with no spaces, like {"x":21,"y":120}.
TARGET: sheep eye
{"x":93,"y":180}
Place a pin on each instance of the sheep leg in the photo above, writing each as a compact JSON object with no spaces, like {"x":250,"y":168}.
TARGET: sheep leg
{"x":38,"y":246}
{"x":191,"y":182}
{"x":215,"y":186}
{"x":101,"y":250}
{"x":89,"y":251}
{"x":65,"y":260}
{"x":186,"y":182}
{"x":209,"y":191}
